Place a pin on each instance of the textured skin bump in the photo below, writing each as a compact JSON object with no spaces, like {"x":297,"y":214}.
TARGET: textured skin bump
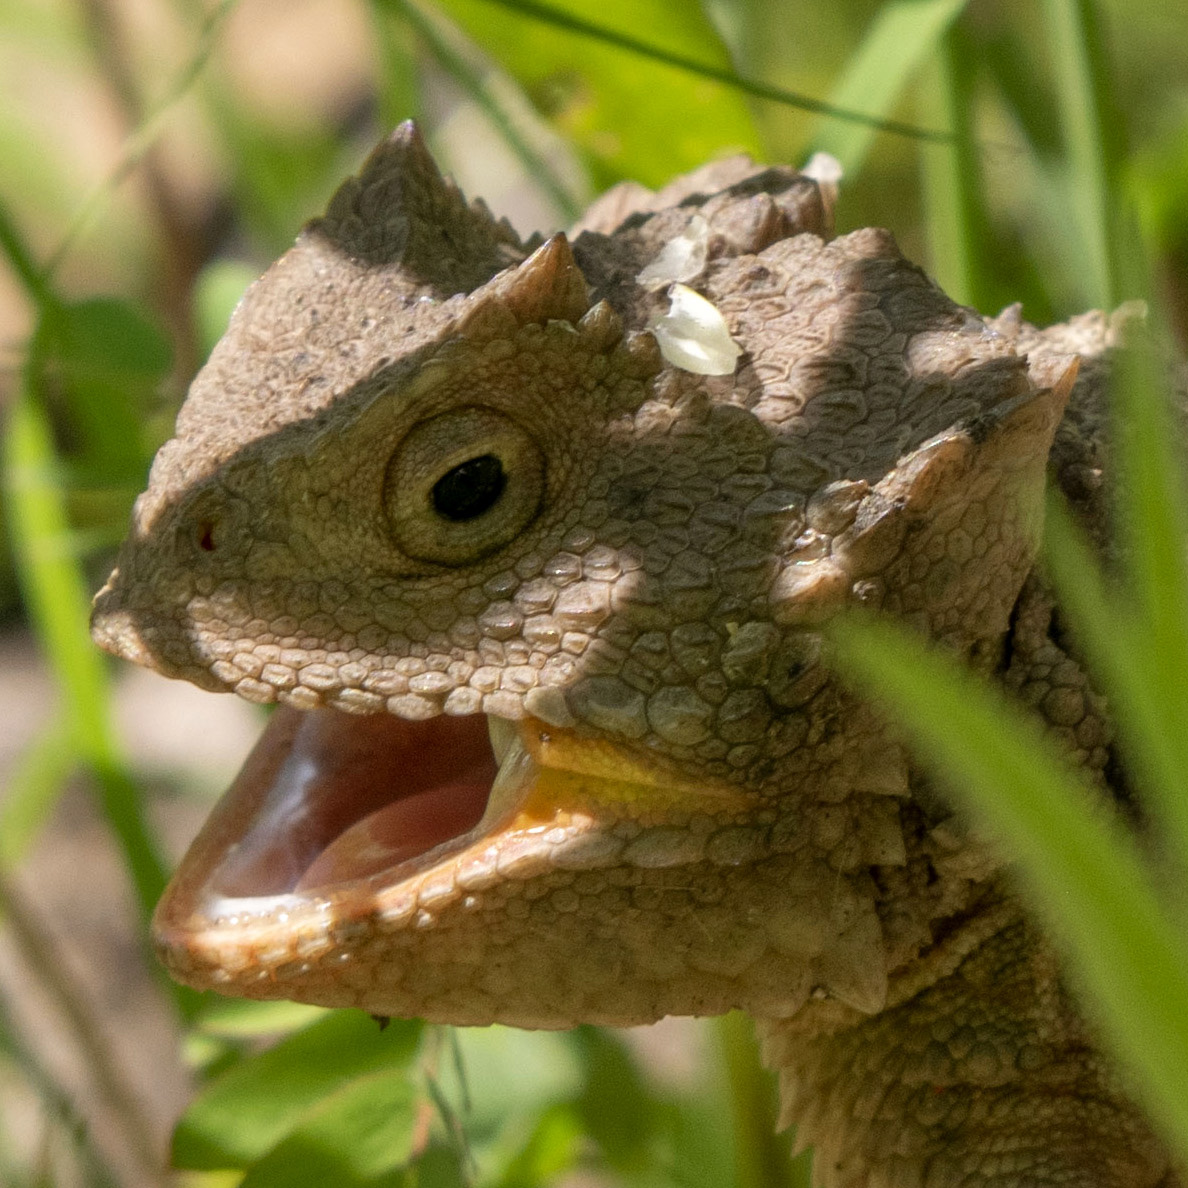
{"x":722,"y":824}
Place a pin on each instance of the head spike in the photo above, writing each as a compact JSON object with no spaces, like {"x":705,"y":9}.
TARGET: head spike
{"x":548,"y":286}
{"x":400,"y":211}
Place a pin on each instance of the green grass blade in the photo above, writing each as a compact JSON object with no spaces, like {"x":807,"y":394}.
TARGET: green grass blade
{"x":476,"y":87}
{"x":1152,"y":510}
{"x":756,"y":88}
{"x":1145,"y":673}
{"x":902,"y":36}
{"x":59,"y":605}
{"x":1082,"y":872}
{"x":1092,"y":136}
{"x":950,"y":177}
{"x":33,"y":790}
{"x":23,"y":266}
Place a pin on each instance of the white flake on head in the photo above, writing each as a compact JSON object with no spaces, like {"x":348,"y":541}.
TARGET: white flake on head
{"x":681,"y":259}
{"x":693,"y":335}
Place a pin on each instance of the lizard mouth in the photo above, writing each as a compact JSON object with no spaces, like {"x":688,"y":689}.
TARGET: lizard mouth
{"x":341,"y":831}
{"x":328,"y":799}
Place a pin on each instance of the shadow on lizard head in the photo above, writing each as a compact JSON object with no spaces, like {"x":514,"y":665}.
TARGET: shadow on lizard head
{"x":448,"y":484}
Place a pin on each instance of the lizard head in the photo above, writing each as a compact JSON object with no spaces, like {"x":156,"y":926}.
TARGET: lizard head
{"x":544,"y":610}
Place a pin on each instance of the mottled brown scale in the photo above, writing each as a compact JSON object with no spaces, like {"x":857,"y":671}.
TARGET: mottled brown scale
{"x":699,"y":817}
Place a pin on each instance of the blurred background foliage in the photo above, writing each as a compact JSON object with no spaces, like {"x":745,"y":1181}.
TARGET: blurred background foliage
{"x":155,"y":155}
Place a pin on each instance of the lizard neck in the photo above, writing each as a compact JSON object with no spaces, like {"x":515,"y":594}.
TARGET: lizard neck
{"x":979,"y":1073}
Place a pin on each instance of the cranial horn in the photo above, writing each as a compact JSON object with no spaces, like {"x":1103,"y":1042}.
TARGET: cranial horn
{"x":399,"y":210}
{"x":548,"y":286}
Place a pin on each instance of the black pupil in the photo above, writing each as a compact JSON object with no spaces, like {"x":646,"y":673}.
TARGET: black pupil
{"x":469,"y":489}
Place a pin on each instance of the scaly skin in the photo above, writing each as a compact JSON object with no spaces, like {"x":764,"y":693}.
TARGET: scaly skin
{"x":691,"y":815}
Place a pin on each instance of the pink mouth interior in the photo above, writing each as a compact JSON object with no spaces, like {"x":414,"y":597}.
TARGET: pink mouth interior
{"x":337,"y":797}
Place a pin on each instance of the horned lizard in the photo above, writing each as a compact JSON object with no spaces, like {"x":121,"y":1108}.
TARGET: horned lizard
{"x":557,"y":740}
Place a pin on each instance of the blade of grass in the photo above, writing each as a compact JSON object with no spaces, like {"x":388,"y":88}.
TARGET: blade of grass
{"x":20,"y":260}
{"x":950,"y":176}
{"x":56,"y":594}
{"x":1092,"y":135}
{"x":901,"y":37}
{"x":559,"y":19}
{"x":477,"y":88}
{"x":1148,"y":685}
{"x":1081,"y":870}
{"x":33,"y":790}
{"x":1152,"y":509}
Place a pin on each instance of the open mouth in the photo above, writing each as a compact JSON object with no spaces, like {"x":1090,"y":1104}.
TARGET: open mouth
{"x":342,"y":832}
{"x":328,"y":799}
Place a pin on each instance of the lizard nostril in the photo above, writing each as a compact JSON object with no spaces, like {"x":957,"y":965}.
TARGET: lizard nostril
{"x":206,"y":535}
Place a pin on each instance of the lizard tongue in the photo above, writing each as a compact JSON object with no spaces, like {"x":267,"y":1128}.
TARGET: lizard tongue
{"x":326,"y":797}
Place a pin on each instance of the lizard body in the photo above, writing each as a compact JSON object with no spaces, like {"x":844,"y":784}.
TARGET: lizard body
{"x":444,"y":480}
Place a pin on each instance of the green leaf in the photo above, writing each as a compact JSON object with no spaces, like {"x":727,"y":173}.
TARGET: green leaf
{"x":244,"y":1018}
{"x":617,"y":1106}
{"x":108,"y":359}
{"x":248,"y":1109}
{"x":1082,"y":871}
{"x":901,"y":37}
{"x":281,"y":174}
{"x":352,"y":1138}
{"x":551,"y":1149}
{"x":104,"y":337}
{"x":958,"y":229}
{"x":631,"y":116}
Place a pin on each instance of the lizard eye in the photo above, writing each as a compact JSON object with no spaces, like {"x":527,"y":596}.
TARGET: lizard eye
{"x":462,"y":485}
{"x":471,"y":489}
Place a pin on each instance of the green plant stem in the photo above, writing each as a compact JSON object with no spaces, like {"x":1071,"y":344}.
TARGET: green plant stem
{"x":761,"y":1157}
{"x":34,"y":786}
{"x":21,"y":260}
{"x":749,"y":86}
{"x":58,"y":602}
{"x":1092,"y":135}
{"x":469,"y":79}
{"x":956,"y":227}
